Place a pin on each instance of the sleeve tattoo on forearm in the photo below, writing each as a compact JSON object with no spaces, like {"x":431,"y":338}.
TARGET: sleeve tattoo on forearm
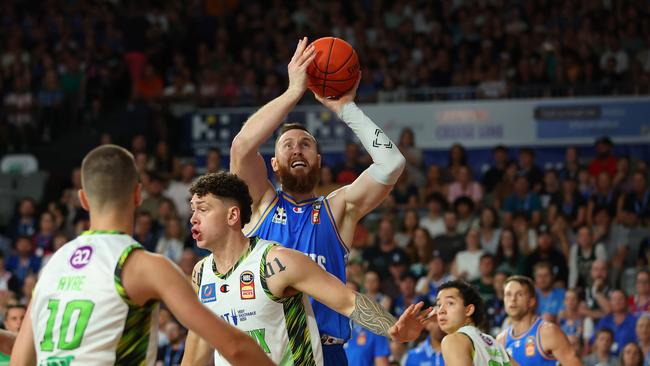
{"x":371,"y":315}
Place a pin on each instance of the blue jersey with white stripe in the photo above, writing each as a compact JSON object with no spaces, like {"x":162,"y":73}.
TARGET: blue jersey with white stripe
{"x":308,"y":226}
{"x":526,"y":348}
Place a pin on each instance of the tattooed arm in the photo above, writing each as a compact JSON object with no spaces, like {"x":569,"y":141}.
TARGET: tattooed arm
{"x":371,"y":315}
{"x":289,"y":272}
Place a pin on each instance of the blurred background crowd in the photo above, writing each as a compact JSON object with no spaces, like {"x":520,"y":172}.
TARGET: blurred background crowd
{"x":579,"y":228}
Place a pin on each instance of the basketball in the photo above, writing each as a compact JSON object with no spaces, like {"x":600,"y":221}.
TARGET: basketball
{"x":335,"y":69}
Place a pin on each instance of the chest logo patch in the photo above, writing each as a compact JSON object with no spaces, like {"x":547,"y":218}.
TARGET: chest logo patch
{"x":530,"y":346}
{"x":247,"y":285}
{"x":280,"y":216}
{"x":208,"y":293}
{"x":81,"y":257}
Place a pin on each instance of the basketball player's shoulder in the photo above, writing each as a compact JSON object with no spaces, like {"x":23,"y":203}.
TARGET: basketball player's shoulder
{"x":457,"y":341}
{"x":548,"y":329}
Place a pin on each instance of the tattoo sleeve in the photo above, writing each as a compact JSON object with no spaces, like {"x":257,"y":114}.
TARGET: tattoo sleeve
{"x":371,"y":315}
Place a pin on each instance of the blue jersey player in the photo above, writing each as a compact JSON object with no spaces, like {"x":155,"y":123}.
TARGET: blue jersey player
{"x":321,"y":227}
{"x":530,"y":340}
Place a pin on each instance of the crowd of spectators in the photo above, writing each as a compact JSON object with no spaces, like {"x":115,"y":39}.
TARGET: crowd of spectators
{"x":581,"y":229}
{"x":65,"y":63}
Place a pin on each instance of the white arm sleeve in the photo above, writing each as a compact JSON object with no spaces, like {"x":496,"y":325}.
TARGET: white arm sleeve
{"x":387,"y":161}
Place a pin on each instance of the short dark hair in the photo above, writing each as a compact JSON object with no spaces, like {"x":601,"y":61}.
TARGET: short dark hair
{"x":471,"y":296}
{"x":294,"y":126}
{"x":14,"y":306}
{"x":525,"y":281}
{"x":109,"y":175}
{"x":500,"y":148}
{"x":437,"y":197}
{"x":527,"y":150}
{"x":225,"y":185}
{"x":607,"y":331}
{"x":464,"y":200}
{"x":540,"y":265}
{"x":486,"y":256}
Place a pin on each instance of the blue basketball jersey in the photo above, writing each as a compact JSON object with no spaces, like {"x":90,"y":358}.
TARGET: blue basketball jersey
{"x":308,"y":226}
{"x":526,"y":350}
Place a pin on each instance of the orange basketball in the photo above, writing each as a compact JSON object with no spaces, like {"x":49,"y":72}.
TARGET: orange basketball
{"x":335,"y":68}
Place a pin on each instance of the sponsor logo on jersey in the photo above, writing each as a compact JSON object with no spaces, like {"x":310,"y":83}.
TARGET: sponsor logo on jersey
{"x":280,"y":216}
{"x":530,"y":346}
{"x":244,"y":314}
{"x":315,"y":213}
{"x":208,"y":293}
{"x":361,"y":338}
{"x":230,"y":317}
{"x":247,"y":285}
{"x":297,"y":210}
{"x":224,"y":288}
{"x":486,"y":339}
{"x":81,"y":257}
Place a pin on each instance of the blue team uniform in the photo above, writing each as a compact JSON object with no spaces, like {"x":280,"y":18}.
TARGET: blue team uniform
{"x":364,"y":346}
{"x":308,"y":226}
{"x":553,"y":303}
{"x":526,"y":349}
{"x":424,"y":355}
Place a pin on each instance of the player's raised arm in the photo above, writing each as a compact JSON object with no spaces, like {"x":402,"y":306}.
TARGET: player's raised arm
{"x":289,"y":271}
{"x":147,"y":276}
{"x":245,"y":159}
{"x":23,"y":352}
{"x":374,"y":184}
{"x":556,"y":343}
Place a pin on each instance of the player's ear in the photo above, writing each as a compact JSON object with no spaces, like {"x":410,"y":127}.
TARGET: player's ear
{"x":469,"y":310}
{"x":233,"y":216}
{"x":319,"y":160}
{"x":274,"y":164}
{"x":83,"y":199}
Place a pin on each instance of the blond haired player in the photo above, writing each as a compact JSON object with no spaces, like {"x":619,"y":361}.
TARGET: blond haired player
{"x":96,"y":302}
{"x":294,"y":216}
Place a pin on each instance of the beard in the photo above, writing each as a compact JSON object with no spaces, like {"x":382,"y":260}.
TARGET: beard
{"x":298,"y":183}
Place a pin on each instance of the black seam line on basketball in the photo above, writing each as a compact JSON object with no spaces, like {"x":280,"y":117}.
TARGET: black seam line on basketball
{"x":329,"y":86}
{"x":344,"y":63}
{"x":333,"y":88}
{"x":328,"y":64}
{"x":333,"y":81}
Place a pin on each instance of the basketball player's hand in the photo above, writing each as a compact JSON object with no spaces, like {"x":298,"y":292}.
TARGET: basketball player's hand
{"x":297,"y":68}
{"x":335,"y":105}
{"x":410,"y":324}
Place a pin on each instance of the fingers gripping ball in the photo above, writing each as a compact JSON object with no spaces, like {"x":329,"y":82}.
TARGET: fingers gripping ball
{"x":335,"y":69}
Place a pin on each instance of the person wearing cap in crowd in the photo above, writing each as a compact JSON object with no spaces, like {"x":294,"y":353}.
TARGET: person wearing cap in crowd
{"x":398,"y":264}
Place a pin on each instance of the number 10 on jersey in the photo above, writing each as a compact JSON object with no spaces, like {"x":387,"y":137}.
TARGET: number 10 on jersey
{"x":82,"y":309}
